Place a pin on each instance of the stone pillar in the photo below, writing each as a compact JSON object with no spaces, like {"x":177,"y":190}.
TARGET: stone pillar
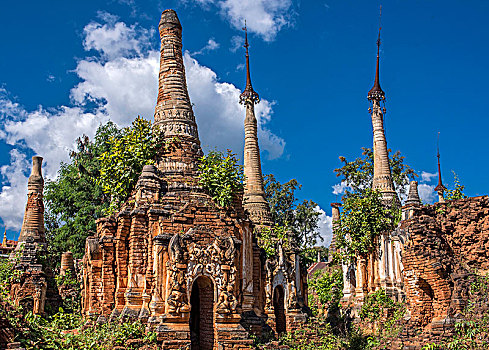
{"x":360,"y":280}
{"x":335,"y":219}
{"x":136,"y":265}
{"x":121,"y":260}
{"x":247,"y":268}
{"x":160,"y":249}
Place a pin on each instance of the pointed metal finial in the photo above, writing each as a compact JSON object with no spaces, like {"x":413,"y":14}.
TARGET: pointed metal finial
{"x":4,"y":242}
{"x":376,"y":92}
{"x":380,"y":27}
{"x":246,"y":45}
{"x":439,"y":188}
{"x":248,"y":95}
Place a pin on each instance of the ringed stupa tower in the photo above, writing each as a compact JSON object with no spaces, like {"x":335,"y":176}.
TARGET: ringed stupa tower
{"x":178,"y":162}
{"x":254,"y":194}
{"x":382,"y":180}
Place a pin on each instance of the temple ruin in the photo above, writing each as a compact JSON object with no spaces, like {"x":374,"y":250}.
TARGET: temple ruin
{"x":172,"y":257}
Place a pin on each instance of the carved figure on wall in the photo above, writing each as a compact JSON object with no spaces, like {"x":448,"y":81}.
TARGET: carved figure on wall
{"x":177,"y":298}
{"x":270,"y":267}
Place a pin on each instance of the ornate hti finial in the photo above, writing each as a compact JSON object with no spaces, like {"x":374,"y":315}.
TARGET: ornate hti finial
{"x":439,"y":188}
{"x":248,"y":95}
{"x":376,"y":92}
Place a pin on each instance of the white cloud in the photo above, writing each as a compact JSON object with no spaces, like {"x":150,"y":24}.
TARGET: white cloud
{"x":427,"y":177}
{"x":427,"y":193}
{"x":237,"y":41}
{"x":115,"y":39}
{"x":220,"y":117}
{"x":325,"y":227}
{"x":13,"y":196}
{"x":341,"y":187}
{"x":210,"y":46}
{"x":119,"y":83}
{"x":263,"y":17}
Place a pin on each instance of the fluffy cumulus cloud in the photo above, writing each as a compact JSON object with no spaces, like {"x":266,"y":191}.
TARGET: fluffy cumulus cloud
{"x":118,"y":81}
{"x":263,"y":17}
{"x":325,"y":227}
{"x":12,"y":196}
{"x":114,"y":39}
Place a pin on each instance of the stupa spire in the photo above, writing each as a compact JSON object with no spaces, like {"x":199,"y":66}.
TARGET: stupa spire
{"x":382,"y":180}
{"x":173,"y":113}
{"x":254,"y":194}
{"x":33,"y":224}
{"x":4,"y":242}
{"x":376,"y":92}
{"x":440,"y":189}
{"x":248,"y":93}
{"x":413,"y":195}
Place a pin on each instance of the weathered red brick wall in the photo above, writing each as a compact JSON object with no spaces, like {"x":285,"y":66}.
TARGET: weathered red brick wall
{"x":447,"y":243}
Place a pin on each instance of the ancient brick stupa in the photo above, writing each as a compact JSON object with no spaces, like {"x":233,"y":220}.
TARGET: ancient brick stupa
{"x":172,"y":257}
{"x":33,"y":288}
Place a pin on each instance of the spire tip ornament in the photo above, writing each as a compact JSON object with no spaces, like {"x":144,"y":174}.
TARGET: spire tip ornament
{"x":248,"y":95}
{"x":376,"y":93}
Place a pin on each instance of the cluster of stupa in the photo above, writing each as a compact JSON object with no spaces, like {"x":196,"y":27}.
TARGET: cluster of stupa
{"x":172,"y":257}
{"x":192,"y":270}
{"x":382,"y":268}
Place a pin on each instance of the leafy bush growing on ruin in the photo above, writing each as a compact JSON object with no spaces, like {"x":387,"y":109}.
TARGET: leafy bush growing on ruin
{"x":383,"y":316}
{"x":268,"y":237}
{"x":122,"y":163}
{"x":8,"y":275}
{"x":325,"y":290}
{"x":457,"y":192}
{"x":221,"y":175}
{"x":363,"y":219}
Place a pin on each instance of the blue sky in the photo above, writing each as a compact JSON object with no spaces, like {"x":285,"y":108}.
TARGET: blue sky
{"x":67,"y":66}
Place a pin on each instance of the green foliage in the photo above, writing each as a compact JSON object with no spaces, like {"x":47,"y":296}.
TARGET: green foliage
{"x":318,"y":336}
{"x":301,"y":219}
{"x":75,"y":199}
{"x":457,"y":192}
{"x":8,"y":275}
{"x":471,"y":332}
{"x":325,"y":290}
{"x":66,"y":331}
{"x":363,"y":219}
{"x":221,"y":175}
{"x":100,"y":175}
{"x":67,"y":280}
{"x":269,"y":236}
{"x":358,"y":174}
{"x":384,"y":315}
{"x":122,"y":163}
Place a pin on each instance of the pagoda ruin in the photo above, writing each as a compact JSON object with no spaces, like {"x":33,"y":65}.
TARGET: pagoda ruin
{"x":171,"y":256}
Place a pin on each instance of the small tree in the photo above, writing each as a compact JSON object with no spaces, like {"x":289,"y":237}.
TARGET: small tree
{"x":301,"y":219}
{"x":363,"y":219}
{"x":122,"y":163}
{"x":358,"y":174}
{"x":325,"y":290}
{"x":221,"y":175}
{"x":457,"y":192}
